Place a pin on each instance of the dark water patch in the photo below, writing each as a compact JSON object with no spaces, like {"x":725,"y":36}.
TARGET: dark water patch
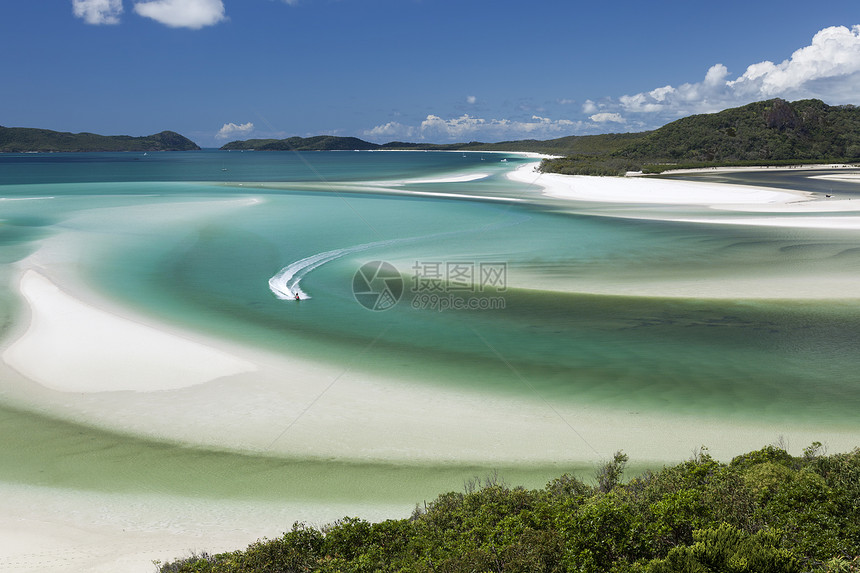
{"x":800,"y":180}
{"x":30,"y":220}
{"x":12,"y":234}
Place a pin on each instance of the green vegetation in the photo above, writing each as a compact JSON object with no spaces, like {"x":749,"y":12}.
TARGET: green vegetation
{"x":773,"y":132}
{"x":765,"y":512}
{"x":317,"y":143}
{"x":25,"y":139}
{"x":574,"y":144}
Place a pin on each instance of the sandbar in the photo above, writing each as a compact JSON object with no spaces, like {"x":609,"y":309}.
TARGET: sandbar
{"x":70,"y":346}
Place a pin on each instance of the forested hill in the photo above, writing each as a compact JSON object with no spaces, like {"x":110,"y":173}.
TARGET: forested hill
{"x":316,"y":143}
{"x":25,"y":139}
{"x":592,"y":144}
{"x":763,"y":133}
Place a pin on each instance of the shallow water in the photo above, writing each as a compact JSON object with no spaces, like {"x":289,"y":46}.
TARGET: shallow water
{"x":592,"y":310}
{"x":783,"y":359}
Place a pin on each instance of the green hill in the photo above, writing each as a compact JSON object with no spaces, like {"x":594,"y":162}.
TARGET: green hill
{"x":770,"y":132}
{"x":316,"y":143}
{"x":25,"y":139}
{"x":584,"y":144}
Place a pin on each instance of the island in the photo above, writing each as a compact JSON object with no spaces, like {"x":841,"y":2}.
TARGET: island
{"x":29,"y":140}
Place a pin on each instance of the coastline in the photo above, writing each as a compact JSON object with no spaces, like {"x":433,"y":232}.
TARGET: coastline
{"x":712,"y":202}
{"x":644,"y":190}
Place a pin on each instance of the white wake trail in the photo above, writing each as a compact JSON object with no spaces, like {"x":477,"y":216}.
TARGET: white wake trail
{"x":286,"y":283}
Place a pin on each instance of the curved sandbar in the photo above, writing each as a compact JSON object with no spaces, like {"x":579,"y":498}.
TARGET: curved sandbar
{"x":71,"y":346}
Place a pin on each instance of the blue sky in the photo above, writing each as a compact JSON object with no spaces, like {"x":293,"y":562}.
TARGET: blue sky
{"x":416,"y":70}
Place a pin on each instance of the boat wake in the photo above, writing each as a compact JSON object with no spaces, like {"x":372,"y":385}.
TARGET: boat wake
{"x":286,"y":283}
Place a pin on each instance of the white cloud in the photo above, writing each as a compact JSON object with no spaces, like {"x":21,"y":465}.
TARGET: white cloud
{"x":471,"y":99}
{"x":467,"y":128}
{"x":715,"y":77}
{"x":660,"y":94}
{"x":834,"y":54}
{"x":194,"y":14}
{"x":452,"y":128}
{"x":229,"y":130}
{"x":589,"y":106}
{"x":606,"y":117}
{"x":828,"y":69}
{"x":390,"y":129}
{"x":98,"y":11}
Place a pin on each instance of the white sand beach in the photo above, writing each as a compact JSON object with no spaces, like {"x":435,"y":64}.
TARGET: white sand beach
{"x":772,"y":207}
{"x":110,"y":354}
{"x":640,"y":190}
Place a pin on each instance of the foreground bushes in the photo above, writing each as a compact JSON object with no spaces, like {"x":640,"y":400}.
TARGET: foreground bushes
{"x":765,"y":512}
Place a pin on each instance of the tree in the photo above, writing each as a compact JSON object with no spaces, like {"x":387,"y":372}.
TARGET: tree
{"x":609,"y":475}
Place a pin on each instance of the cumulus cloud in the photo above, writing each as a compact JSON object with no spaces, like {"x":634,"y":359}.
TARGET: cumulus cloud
{"x":98,"y":11}
{"x":828,"y":69}
{"x":471,"y":99}
{"x":467,"y":127}
{"x":229,"y":130}
{"x":606,"y":117}
{"x":194,"y":14}
{"x":451,"y":128}
{"x":834,"y":54}
{"x":392,"y":129}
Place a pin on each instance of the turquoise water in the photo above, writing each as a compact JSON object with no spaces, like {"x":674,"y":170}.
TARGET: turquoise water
{"x":758,"y":358}
{"x":745,"y":358}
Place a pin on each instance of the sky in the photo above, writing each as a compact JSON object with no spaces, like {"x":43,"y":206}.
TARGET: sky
{"x":412,"y":70}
